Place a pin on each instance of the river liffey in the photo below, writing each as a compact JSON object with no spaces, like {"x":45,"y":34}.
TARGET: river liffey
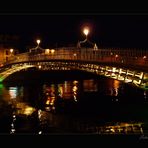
{"x":66,"y":102}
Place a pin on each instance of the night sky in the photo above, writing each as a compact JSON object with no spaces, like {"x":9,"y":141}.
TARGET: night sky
{"x":107,"y":30}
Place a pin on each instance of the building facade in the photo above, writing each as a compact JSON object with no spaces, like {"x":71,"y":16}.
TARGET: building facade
{"x":6,"y":53}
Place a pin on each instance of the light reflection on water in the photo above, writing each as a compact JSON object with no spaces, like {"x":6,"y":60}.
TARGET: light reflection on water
{"x":13,"y":92}
{"x":73,"y":106}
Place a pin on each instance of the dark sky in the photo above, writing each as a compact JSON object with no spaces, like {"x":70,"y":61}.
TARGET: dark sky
{"x":129,"y":31}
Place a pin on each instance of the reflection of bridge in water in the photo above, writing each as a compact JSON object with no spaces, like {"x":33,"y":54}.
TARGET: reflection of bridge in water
{"x":130,"y":66}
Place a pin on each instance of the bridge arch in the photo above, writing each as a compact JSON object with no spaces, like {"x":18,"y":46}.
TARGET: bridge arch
{"x":115,"y":64}
{"x":124,"y":74}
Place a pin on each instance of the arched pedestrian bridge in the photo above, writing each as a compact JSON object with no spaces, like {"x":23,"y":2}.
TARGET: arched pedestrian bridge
{"x":130,"y":66}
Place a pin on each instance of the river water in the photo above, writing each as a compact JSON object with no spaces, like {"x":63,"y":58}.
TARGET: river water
{"x":71,"y":103}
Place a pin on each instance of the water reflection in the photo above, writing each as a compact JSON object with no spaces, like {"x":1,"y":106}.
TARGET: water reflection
{"x":89,"y":85}
{"x":24,"y":109}
{"x":75,"y":90}
{"x":113,"y":90}
{"x":1,"y":88}
{"x":116,"y":87}
{"x":12,"y":130}
{"x":13,"y":92}
{"x":145,"y":94}
{"x":54,"y":93}
{"x":122,"y":128}
{"x":60,"y":124}
{"x":74,"y":106}
{"x":21,"y":118}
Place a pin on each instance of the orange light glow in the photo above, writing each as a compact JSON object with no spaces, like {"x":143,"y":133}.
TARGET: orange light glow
{"x":86,"y":31}
{"x":38,"y":41}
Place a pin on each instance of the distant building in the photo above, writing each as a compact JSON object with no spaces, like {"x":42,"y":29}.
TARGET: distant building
{"x":7,"y":42}
{"x":6,"y":53}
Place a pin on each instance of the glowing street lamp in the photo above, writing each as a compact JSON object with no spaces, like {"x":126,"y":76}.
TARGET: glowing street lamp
{"x":11,"y":53}
{"x":47,"y":51}
{"x":11,"y":50}
{"x":38,"y":42}
{"x":86,"y":31}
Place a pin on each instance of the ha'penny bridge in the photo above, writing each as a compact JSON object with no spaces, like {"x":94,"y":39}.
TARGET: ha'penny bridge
{"x":127,"y":65}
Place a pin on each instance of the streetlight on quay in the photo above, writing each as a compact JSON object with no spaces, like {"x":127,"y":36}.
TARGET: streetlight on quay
{"x":11,"y":51}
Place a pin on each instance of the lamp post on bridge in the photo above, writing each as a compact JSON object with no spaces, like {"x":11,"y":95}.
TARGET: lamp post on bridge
{"x":38,"y":42}
{"x":37,"y":48}
{"x":86,"y":32}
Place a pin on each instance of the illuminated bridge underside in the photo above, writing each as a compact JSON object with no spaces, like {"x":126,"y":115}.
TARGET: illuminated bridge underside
{"x":12,"y":70}
{"x":129,"y":66}
{"x":131,"y":76}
